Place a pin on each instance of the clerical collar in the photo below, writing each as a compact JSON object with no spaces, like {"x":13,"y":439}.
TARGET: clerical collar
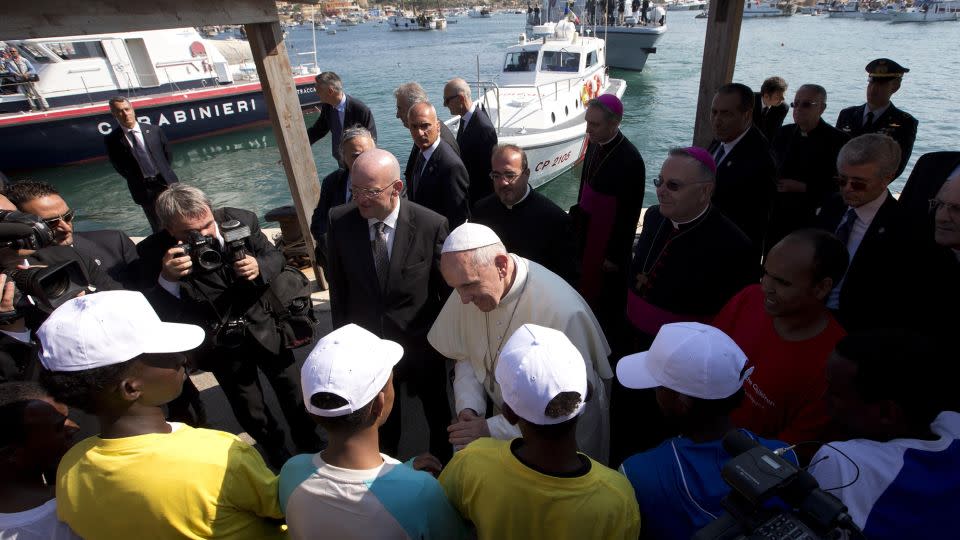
{"x":866,"y":212}
{"x":877,"y":113}
{"x":611,"y":139}
{"x":510,"y":206}
{"x":518,"y":282}
{"x":343,"y":103}
{"x":390,"y":220}
{"x":469,"y":114}
{"x":429,"y":151}
{"x":728,"y":147}
{"x":678,"y":224}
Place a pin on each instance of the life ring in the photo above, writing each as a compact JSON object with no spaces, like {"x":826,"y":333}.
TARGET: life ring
{"x":597,"y":85}
{"x":585,"y":93}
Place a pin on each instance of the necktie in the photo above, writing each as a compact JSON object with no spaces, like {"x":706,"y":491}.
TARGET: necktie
{"x":868,"y":123}
{"x":846,"y":225}
{"x":720,"y":153}
{"x":336,"y":131}
{"x":381,"y":261}
{"x":463,"y":124}
{"x":417,"y":169}
{"x":147,"y":167}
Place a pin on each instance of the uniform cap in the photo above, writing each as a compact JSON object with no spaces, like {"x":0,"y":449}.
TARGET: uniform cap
{"x":884,"y":68}
{"x":469,"y":236}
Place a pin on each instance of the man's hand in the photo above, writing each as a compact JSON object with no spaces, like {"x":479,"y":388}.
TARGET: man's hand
{"x":788,"y":185}
{"x":176,"y":263}
{"x":6,"y":305}
{"x":469,"y":427}
{"x":428,"y":463}
{"x":247,"y":268}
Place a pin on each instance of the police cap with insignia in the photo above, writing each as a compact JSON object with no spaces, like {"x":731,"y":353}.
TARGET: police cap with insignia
{"x":885,"y":69}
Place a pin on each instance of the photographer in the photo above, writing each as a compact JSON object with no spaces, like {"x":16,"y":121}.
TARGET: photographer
{"x":208,"y":276}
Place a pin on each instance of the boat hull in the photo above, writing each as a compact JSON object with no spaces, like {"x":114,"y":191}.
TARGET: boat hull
{"x":628,"y":48}
{"x":73,"y":135}
{"x":921,"y":17}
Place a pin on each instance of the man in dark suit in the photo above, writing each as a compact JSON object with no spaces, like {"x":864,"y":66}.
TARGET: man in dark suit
{"x":879,"y":114}
{"x":408,"y":95}
{"x":141,"y":154}
{"x":228,"y":303}
{"x":926,"y":179}
{"x":335,"y":188}
{"x":475,"y":135}
{"x":393,"y":289}
{"x":438,"y":180}
{"x":112,"y":251}
{"x":879,"y":285}
{"x":769,"y":107}
{"x":745,"y":168}
{"x":338,"y":112}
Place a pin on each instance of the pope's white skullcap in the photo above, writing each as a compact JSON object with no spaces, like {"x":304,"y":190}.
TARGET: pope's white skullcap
{"x":469,"y":236}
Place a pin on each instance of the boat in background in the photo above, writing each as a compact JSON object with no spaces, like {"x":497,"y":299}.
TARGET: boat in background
{"x":755,"y":9}
{"x":479,"y":12}
{"x":849,"y":10}
{"x":689,"y":5}
{"x":931,"y":11}
{"x":174,"y":78}
{"x":883,"y":14}
{"x":540,"y":99}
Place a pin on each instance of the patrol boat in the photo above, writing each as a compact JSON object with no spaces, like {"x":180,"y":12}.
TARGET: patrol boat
{"x":538,"y":102}
{"x":188,"y":85}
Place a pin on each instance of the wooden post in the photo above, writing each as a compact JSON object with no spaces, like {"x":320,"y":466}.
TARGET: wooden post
{"x":719,"y":60}
{"x":280,"y":93}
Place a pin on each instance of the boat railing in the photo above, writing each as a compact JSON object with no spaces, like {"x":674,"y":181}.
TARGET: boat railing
{"x":484,"y":88}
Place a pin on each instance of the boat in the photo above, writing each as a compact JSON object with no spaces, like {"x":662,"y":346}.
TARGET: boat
{"x":755,"y":9}
{"x":539,"y":98}
{"x":174,"y":78}
{"x":690,"y":5}
{"x":849,"y":10}
{"x":628,"y":44}
{"x":403,"y":21}
{"x":883,"y":14}
{"x":479,"y":12}
{"x":929,"y":12}
{"x":331,"y":31}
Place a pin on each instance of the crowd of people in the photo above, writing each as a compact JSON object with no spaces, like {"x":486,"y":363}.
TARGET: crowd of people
{"x":577,"y":378}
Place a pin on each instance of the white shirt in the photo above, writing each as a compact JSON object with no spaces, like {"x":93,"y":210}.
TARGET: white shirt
{"x":465,"y":119}
{"x":429,"y":152}
{"x":173,"y":287}
{"x":341,"y":109}
{"x":38,"y":523}
{"x":865,"y":214}
{"x":728,"y":146}
{"x":877,"y":113}
{"x":390,"y":230}
{"x":136,"y":133}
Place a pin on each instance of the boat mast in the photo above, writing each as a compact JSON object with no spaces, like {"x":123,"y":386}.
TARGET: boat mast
{"x":316,"y":66}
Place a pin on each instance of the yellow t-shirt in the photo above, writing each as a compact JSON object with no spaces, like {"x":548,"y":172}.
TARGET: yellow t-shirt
{"x":506,"y":499}
{"x":191,"y":483}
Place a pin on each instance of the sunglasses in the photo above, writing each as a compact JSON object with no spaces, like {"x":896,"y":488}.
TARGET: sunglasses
{"x":804,"y":104}
{"x":856,"y":184}
{"x":673,"y":185}
{"x":363,"y":193}
{"x":66,"y":218}
{"x":448,"y":99}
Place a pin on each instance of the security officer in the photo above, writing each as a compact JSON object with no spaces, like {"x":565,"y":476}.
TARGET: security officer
{"x":878,"y":114}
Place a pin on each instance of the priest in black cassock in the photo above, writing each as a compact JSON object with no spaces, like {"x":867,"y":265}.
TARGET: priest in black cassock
{"x":689,"y":261}
{"x":529,"y":224}
{"x":805,"y":153}
{"x":608,"y":208}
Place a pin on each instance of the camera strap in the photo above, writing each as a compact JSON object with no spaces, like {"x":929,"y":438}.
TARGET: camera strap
{"x":220,"y":318}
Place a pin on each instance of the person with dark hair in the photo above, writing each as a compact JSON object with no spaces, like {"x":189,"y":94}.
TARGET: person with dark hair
{"x":111,"y":356}
{"x":612,"y":184}
{"x":806,"y":156}
{"x":787,"y":332}
{"x":438,"y":180}
{"x":337,"y":112}
{"x":142,"y":156}
{"x":745,"y":168}
{"x":698,"y":373}
{"x":769,"y":108}
{"x":36,"y":434}
{"x":350,"y":489}
{"x":898,"y":471}
{"x":113,"y":251}
{"x":539,"y":485}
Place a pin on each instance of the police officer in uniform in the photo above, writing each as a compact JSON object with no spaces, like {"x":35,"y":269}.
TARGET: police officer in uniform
{"x":879,"y":114}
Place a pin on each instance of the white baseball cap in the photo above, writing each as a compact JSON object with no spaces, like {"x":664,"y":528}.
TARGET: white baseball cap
{"x":469,"y":236}
{"x":536,"y":365}
{"x":349,"y":362}
{"x":107,"y":328}
{"x":691,"y":358}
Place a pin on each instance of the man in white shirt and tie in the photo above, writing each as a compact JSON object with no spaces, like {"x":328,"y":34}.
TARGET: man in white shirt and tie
{"x":384,"y":272}
{"x":142,"y":155}
{"x":338,"y":112}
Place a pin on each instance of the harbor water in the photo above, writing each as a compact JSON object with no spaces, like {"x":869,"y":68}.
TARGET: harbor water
{"x":241,"y":168}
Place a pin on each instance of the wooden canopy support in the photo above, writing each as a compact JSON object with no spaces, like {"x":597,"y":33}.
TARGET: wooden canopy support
{"x":719,"y":60}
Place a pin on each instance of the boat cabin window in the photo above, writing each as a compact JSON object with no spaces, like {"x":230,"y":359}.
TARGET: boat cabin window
{"x":73,"y":50}
{"x":560,"y":61}
{"x":591,"y":58}
{"x":521,"y":61}
{"x":34,"y":54}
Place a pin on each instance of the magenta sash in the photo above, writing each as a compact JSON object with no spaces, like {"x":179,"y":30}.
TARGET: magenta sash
{"x":601,"y":210}
{"x":648,"y":318}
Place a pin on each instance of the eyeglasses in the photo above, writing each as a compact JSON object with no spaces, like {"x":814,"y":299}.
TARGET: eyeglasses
{"x":364,"y":193}
{"x":804,"y":104}
{"x":448,"y":99}
{"x":856,"y":184}
{"x":66,"y":218}
{"x":673,"y":185}
{"x":510,"y":177}
{"x":952,"y":209}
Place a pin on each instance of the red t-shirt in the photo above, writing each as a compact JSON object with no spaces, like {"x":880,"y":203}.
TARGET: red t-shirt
{"x":785,"y":393}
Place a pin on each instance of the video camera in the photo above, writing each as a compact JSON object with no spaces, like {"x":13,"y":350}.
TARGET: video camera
{"x":757,"y":475}
{"x":20,"y":230}
{"x":50,"y":286}
{"x":202,"y":251}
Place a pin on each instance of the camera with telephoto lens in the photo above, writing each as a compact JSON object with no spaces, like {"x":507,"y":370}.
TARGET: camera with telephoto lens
{"x":20,"y":230}
{"x":202,"y":252}
{"x":758,"y":477}
{"x":235,"y":240}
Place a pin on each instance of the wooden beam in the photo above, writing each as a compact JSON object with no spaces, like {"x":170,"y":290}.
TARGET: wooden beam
{"x":280,"y":93}
{"x":51,"y":18}
{"x":719,"y":61}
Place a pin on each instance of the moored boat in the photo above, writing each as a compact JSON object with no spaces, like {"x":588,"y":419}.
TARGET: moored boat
{"x":929,"y":12}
